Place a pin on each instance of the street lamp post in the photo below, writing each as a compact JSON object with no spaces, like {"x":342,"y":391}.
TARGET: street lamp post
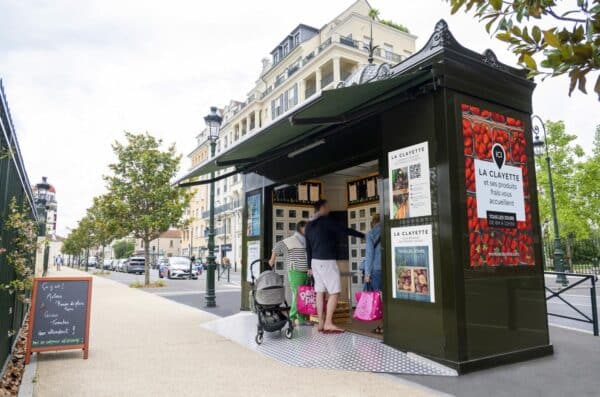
{"x":41,"y":203}
{"x":538,"y":147}
{"x":213,"y":124}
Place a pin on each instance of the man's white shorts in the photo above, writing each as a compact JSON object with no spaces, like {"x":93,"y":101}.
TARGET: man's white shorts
{"x":327,"y":276}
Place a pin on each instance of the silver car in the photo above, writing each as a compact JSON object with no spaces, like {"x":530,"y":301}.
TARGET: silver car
{"x":120,"y":265}
{"x":135,"y":264}
{"x":177,"y":267}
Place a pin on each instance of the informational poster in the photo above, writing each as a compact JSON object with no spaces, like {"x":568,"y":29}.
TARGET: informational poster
{"x":497,"y":183}
{"x":412,"y":264}
{"x":409,"y":185}
{"x":253,"y":204}
{"x":253,"y":254}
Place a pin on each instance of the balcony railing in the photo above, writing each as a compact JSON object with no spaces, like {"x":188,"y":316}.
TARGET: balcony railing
{"x":326,"y":80}
{"x":343,"y":40}
{"x":223,"y":208}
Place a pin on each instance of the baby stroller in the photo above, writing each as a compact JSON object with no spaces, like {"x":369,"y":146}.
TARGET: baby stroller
{"x":268,"y":297}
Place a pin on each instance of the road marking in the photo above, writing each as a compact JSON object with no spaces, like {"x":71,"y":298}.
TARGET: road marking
{"x":574,"y":304}
{"x":178,"y":293}
{"x":571,"y":328}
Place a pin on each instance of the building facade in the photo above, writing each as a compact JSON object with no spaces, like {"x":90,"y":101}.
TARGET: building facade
{"x":302,"y":64}
{"x":168,"y":244}
{"x":194,"y":234}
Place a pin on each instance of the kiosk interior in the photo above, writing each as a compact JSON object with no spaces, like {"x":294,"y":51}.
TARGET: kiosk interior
{"x":440,"y":146}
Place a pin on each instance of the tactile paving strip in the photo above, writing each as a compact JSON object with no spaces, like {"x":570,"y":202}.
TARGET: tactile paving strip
{"x":311,"y":349}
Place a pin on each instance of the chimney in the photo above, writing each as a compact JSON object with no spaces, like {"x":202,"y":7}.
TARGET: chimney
{"x":266,"y":64}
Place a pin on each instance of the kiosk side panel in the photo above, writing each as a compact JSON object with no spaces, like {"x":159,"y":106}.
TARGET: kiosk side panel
{"x":419,"y":306}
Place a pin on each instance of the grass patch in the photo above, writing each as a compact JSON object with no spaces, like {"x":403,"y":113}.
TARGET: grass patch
{"x":101,"y":273}
{"x":154,"y":284}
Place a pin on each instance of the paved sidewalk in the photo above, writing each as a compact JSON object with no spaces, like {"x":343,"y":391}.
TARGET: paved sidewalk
{"x":145,"y":345}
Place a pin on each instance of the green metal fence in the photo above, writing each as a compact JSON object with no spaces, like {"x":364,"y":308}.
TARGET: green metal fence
{"x":14,"y":183}
{"x":581,"y":256}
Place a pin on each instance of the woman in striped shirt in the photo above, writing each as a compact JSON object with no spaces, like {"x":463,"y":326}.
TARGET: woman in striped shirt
{"x":293,"y":250}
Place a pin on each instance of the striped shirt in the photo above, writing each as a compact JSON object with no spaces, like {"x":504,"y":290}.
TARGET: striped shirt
{"x":294,"y":253}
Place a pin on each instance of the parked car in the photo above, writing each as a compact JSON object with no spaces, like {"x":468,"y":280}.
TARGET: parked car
{"x":177,"y":267}
{"x":159,"y":261}
{"x":92,"y":261}
{"x":121,"y":265}
{"x":107,"y":264}
{"x":135,"y":264}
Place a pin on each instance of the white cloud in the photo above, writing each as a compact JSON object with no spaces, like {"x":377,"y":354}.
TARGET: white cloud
{"x":78,"y":73}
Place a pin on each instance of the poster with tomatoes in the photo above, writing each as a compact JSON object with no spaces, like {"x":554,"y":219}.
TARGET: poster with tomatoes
{"x":497,"y":183}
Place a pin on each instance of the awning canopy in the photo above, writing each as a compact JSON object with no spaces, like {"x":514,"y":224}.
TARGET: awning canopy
{"x":335,"y":106}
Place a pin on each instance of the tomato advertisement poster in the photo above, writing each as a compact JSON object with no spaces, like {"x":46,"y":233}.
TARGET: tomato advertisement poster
{"x":497,"y":183}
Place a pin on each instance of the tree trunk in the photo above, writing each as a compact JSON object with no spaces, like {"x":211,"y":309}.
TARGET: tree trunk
{"x":146,"y":262}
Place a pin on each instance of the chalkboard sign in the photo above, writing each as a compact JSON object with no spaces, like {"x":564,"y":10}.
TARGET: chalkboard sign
{"x":59,"y":318}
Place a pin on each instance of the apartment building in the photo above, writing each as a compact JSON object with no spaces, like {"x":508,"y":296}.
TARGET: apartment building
{"x":194,"y":240}
{"x":303,"y":63}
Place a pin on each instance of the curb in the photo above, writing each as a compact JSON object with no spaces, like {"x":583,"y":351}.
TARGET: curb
{"x":27,"y":381}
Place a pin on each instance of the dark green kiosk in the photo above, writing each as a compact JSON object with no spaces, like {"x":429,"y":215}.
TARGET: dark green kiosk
{"x":446,"y":137}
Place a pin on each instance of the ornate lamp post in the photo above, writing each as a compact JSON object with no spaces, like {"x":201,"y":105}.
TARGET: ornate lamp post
{"x":41,"y":204}
{"x":213,"y":125}
{"x":540,"y":148}
{"x":41,"y":201}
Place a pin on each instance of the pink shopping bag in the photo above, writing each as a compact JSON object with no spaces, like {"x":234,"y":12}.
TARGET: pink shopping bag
{"x":306,"y":300}
{"x":369,"y":306}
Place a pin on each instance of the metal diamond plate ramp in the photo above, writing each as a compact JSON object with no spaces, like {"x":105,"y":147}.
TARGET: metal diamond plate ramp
{"x":311,"y":349}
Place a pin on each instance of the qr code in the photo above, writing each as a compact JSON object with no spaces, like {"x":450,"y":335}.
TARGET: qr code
{"x":414,"y":171}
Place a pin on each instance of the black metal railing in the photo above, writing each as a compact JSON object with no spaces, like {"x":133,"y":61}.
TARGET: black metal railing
{"x":559,"y":290}
{"x":580,"y":256}
{"x":223,"y":208}
{"x":327,"y":79}
{"x":14,"y":183}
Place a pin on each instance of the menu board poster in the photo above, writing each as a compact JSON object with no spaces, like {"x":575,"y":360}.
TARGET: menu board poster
{"x":412,"y":264}
{"x":253,"y":204}
{"x":410,"y":193}
{"x":253,"y":253}
{"x":497,"y":183}
{"x":59,"y":317}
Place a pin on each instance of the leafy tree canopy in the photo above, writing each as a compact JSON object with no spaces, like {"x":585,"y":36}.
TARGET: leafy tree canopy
{"x":141,"y":197}
{"x":573,"y":184}
{"x":123,"y":249}
{"x":547,"y":41}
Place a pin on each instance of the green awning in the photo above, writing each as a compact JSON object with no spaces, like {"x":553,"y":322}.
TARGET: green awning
{"x":334,"y":106}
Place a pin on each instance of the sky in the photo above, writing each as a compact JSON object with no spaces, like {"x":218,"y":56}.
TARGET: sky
{"x":77,"y":73}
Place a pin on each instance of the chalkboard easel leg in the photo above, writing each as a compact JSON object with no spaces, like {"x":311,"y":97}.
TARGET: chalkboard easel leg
{"x":85,"y":353}
{"x":27,"y":357}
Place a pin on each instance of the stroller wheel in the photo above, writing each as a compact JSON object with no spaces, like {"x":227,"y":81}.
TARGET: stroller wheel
{"x":259,"y":339}
{"x":289,"y":332}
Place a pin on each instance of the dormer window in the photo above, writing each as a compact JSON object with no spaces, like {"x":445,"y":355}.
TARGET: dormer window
{"x":296,"y":39}
{"x":286,"y":49}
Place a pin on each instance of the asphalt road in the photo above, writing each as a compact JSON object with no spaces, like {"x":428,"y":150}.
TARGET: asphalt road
{"x":192,"y":292}
{"x":578,"y":296}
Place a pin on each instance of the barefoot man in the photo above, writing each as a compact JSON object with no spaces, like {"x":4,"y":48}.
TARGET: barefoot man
{"x":321,"y":251}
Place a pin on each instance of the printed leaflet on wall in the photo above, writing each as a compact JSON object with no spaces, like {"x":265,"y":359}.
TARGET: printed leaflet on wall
{"x":409,"y":182}
{"x":412,"y":264}
{"x":253,"y":254}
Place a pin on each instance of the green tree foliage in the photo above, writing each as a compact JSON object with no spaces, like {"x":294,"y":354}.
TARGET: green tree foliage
{"x":20,"y":253}
{"x":123,"y":248}
{"x":142,"y":198}
{"x":572,"y":46}
{"x":571,"y":187}
{"x":587,"y":180}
